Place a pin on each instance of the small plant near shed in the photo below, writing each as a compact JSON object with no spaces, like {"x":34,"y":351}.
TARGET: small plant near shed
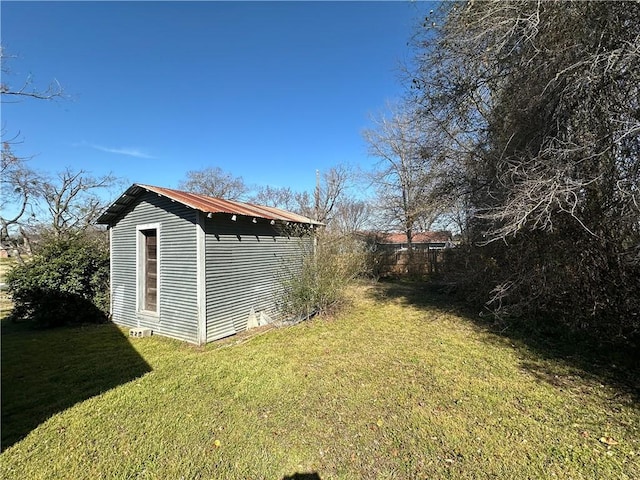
{"x":65,"y":282}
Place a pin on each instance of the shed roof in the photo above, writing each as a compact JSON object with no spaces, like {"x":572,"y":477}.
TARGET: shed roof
{"x":200,"y":202}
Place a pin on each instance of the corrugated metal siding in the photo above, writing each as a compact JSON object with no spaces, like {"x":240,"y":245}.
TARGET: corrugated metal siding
{"x":123,"y":272}
{"x":177,"y":268}
{"x":246,"y":264}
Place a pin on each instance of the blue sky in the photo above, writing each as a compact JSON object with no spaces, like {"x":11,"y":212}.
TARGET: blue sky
{"x":269,"y":91}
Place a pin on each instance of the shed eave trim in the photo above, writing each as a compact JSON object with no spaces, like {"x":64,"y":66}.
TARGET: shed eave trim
{"x":207,"y":205}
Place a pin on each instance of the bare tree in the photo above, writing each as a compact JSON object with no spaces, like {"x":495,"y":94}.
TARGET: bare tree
{"x":545,"y":120}
{"x":33,"y":204}
{"x":405,"y":174}
{"x":73,"y":202}
{"x":214,"y":182}
{"x":352,"y":216}
{"x":278,"y":197}
{"x":20,"y":188}
{"x":329,"y":202}
{"x":53,"y":90}
{"x":330,"y":191}
{"x":21,"y":185}
{"x":331,"y":187}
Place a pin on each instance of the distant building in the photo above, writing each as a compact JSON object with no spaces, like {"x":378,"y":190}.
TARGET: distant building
{"x":419,"y":241}
{"x":391,"y":256}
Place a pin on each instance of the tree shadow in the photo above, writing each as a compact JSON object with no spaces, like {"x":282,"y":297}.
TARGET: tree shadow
{"x":552,"y":353}
{"x":45,"y":371}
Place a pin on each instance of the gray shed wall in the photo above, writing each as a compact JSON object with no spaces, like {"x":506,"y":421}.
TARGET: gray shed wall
{"x":178,"y":312}
{"x":246,"y":265}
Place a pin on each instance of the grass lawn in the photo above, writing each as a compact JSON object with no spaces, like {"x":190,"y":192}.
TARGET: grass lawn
{"x":390,"y":388}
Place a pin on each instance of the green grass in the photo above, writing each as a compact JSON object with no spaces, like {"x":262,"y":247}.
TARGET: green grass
{"x":390,"y":388}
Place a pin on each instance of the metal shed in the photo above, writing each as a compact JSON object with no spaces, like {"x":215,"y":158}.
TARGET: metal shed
{"x":198,"y":268}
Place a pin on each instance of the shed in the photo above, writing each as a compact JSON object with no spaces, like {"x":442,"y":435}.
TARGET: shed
{"x":198,"y":268}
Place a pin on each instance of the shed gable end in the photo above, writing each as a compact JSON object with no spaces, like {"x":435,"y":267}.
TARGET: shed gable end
{"x":176,"y":283}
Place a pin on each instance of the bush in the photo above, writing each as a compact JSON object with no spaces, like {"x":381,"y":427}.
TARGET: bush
{"x":66,"y":282}
{"x":583,"y":284}
{"x":328,"y":267}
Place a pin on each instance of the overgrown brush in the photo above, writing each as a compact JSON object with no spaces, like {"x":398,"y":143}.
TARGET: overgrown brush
{"x":66,"y":282}
{"x":565,"y":279}
{"x":330,"y":262}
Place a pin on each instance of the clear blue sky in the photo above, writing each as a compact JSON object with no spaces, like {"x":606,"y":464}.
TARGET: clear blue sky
{"x":270,"y":91}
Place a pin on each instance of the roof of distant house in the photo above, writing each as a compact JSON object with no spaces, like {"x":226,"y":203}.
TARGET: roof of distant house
{"x":203,"y":203}
{"x":418,"y":237}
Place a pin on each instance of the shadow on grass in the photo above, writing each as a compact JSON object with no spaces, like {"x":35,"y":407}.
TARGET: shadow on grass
{"x":558,"y":356}
{"x":45,"y":371}
{"x":302,"y":476}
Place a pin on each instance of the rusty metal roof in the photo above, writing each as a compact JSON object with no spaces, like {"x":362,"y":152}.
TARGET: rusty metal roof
{"x":202,"y":203}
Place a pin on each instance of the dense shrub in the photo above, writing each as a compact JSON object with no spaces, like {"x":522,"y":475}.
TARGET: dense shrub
{"x":65,"y":282}
{"x":564,"y":278}
{"x":329,"y":265}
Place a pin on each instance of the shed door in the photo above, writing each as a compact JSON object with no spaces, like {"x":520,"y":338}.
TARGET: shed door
{"x":150,"y":270}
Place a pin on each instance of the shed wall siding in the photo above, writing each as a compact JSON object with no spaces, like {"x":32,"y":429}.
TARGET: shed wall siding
{"x":245,"y":267}
{"x":178,"y":310}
